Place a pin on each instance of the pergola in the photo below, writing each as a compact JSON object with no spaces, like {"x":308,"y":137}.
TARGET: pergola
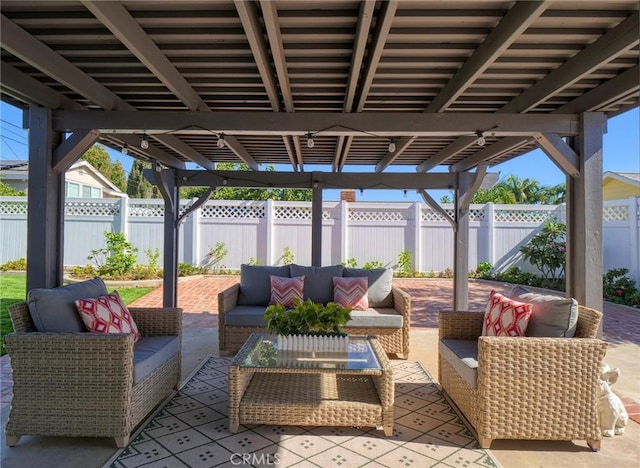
{"x":463,"y":84}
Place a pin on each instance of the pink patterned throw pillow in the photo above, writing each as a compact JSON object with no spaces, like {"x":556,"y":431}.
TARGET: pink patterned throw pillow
{"x":505,"y":317}
{"x":351,"y":292}
{"x":107,"y":314}
{"x":286,"y":291}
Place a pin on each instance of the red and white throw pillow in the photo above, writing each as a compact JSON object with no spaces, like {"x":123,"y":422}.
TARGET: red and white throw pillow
{"x":505,"y":317}
{"x":287,"y":291}
{"x":351,"y":292}
{"x":107,"y":314}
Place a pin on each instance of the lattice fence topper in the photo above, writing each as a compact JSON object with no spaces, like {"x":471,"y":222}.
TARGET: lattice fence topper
{"x":228,"y":211}
{"x":526,"y":216}
{"x":84,"y":208}
{"x":615,"y":213}
{"x":13,"y":207}
{"x":387,"y":214}
{"x":475,"y":214}
{"x":296,"y":212}
{"x":144,"y":210}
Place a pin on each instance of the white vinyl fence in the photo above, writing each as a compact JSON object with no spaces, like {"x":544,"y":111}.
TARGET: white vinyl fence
{"x":364,"y":231}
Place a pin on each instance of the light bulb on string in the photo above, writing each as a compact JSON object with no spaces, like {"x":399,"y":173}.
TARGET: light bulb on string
{"x":144,"y":143}
{"x":392,"y":146}
{"x":125,"y":149}
{"x":310,"y":142}
{"x":220,"y":142}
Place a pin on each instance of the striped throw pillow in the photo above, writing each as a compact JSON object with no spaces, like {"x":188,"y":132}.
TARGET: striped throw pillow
{"x":351,"y":292}
{"x":286,"y":291}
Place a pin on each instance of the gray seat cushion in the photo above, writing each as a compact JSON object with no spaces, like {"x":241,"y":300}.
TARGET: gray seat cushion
{"x":54,"y":310}
{"x":150,"y":352}
{"x":551,"y":316}
{"x":246,"y":316}
{"x":462,"y":355}
{"x":375,"y":317}
{"x":380,"y":282}
{"x":318,"y":281}
{"x":255,"y":283}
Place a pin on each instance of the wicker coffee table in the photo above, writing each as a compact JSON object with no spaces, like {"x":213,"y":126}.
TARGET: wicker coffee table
{"x":349,"y":388}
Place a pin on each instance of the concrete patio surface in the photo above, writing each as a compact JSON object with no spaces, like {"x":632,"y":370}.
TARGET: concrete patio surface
{"x":198,"y":298}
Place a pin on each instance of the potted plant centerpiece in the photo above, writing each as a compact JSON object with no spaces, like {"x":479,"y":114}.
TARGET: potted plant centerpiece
{"x":309,"y":325}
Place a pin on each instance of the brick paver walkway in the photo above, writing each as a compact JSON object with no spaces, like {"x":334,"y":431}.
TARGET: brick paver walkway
{"x":198,"y":297}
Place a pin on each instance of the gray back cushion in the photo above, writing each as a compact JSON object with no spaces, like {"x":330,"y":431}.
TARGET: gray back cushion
{"x":551,"y":316}
{"x":318,"y":281}
{"x":54,"y":310}
{"x":255,"y":283}
{"x":380,"y":281}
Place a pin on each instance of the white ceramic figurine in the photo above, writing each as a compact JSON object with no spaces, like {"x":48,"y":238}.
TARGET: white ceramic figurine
{"x":613,"y":415}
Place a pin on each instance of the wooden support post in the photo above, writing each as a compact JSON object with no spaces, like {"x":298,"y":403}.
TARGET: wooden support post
{"x":584,"y":215}
{"x":45,"y":219}
{"x":166,"y":181}
{"x":316,"y":224}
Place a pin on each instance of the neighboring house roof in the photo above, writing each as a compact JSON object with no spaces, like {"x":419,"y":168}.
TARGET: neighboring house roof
{"x":19,"y":169}
{"x":631,"y":178}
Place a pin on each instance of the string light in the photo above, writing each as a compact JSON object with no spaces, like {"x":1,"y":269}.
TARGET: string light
{"x":392,"y":146}
{"x":125,"y":149}
{"x":310,"y":142}
{"x":481,"y":140}
{"x":144,"y":143}
{"x":220,"y":142}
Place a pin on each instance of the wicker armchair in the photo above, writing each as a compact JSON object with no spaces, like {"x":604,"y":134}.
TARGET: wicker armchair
{"x":527,"y":388}
{"x":81,"y":384}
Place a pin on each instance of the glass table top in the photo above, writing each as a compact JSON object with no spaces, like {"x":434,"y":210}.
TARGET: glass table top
{"x":264,"y":353}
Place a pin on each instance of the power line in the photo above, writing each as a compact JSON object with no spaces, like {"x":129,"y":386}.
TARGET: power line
{"x":12,"y":139}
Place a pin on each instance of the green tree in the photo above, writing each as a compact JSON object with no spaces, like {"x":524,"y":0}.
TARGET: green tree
{"x":98,"y":157}
{"x":137,"y":185}
{"x":239,"y":193}
{"x":8,"y":191}
{"x":514,"y":190}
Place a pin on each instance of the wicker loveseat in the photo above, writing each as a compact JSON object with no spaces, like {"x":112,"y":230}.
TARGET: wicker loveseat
{"x":84,"y":384}
{"x":241,"y":307}
{"x":533,"y":388}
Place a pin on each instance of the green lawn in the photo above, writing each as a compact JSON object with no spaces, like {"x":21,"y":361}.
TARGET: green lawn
{"x":13,"y":288}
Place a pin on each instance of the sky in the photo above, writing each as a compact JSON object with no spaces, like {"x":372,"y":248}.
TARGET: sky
{"x":621,"y":154}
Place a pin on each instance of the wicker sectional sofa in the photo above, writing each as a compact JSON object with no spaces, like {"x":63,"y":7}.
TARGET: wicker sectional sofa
{"x":241,"y":307}
{"x":75,"y":383}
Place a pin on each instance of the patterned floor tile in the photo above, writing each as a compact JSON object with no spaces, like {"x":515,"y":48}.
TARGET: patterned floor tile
{"x":200,"y":416}
{"x":339,"y":457}
{"x":403,"y":458}
{"x":183,"y":440}
{"x":205,"y":456}
{"x":244,"y":442}
{"x":307,"y":445}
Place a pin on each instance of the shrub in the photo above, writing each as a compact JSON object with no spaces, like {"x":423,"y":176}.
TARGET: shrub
{"x":14,"y":265}
{"x":373,"y":265}
{"x":484,"y":270}
{"x":547,"y":250}
{"x":287,"y":256}
{"x":350,"y":263}
{"x":87,"y":271}
{"x":117,"y":259}
{"x":619,"y":288}
{"x":254,"y":262}
{"x":446,"y":273}
{"x":215,"y":256}
{"x":404,"y":264}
